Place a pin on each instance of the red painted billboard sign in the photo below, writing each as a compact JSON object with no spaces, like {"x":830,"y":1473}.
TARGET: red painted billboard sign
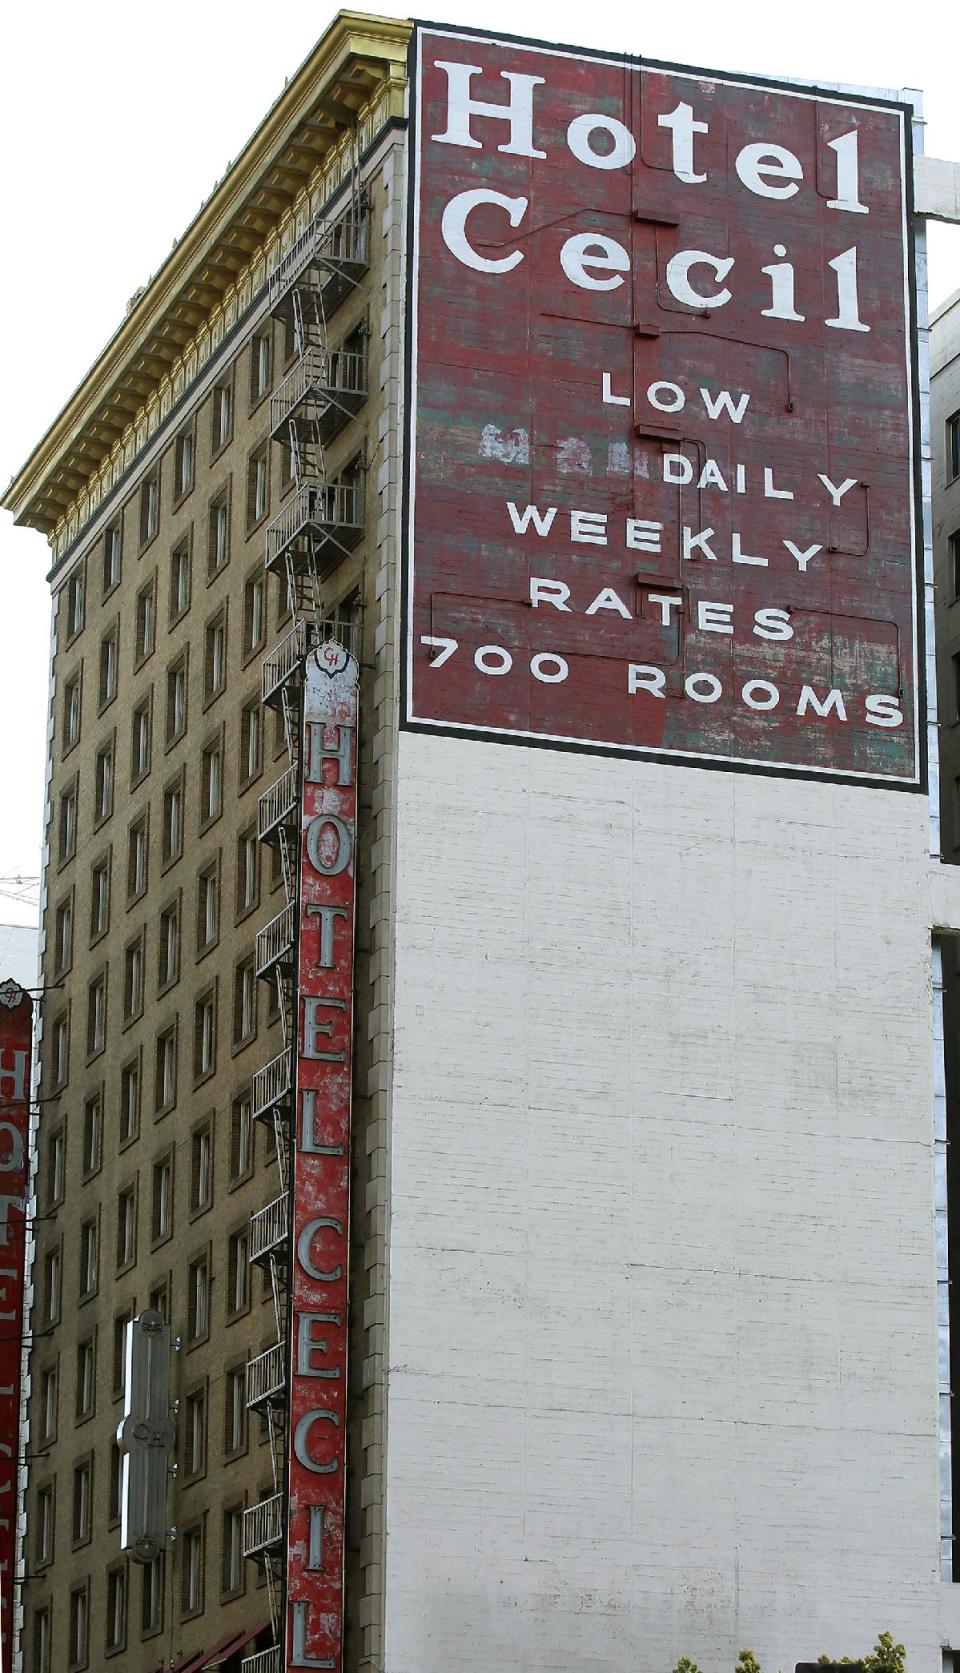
{"x":661,"y":488}
{"x":321,"y":1163}
{"x":16,"y":1050}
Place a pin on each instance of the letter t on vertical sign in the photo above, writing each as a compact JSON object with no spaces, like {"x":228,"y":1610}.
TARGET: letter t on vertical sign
{"x":16,"y":1035}
{"x":320,"y":1175}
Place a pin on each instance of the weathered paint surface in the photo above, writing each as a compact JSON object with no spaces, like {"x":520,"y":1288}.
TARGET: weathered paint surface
{"x":16,"y":1021}
{"x":662,"y":414}
{"x":321,"y":1163}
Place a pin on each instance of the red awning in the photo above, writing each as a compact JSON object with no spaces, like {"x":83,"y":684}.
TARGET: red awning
{"x":228,"y":1646}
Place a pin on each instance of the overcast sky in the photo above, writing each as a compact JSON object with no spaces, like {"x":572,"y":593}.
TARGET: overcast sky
{"x":117,"y":119}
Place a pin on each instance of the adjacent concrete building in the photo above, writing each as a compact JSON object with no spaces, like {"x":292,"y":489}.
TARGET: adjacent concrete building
{"x":648,"y":1273}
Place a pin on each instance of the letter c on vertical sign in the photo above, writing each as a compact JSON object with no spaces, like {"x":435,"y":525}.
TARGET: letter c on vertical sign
{"x":305,"y":1256}
{"x":301,"y":1436}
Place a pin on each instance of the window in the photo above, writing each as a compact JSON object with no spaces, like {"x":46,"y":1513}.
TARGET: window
{"x":45,"y":1524}
{"x":173,"y":820}
{"x":52,"y":1269}
{"x":235,"y":1410}
{"x":194,"y":1431}
{"x":250,"y":741}
{"x":92,"y":1136}
{"x":198,"y":1296}
{"x":126,"y":1227}
{"x":97,"y":1014}
{"x":88,"y":1258}
{"x":61,"y":1050}
{"x":248,"y":855}
{"x":183,"y":464}
{"x":241,"y":1137}
{"x":129,"y":1101}
{"x":162,"y":1209}
{"x":133,"y":979}
{"x":244,"y":1002}
{"x":238,"y":1272}
{"x":137,"y":859}
{"x":79,"y":1624}
{"x":160,"y":1301}
{"x":103,"y":783}
{"x":71,"y":712}
{"x":149,"y":508}
{"x":191,"y":1572}
{"x":254,"y":613}
{"x":215,"y":656}
{"x":258,"y":486}
{"x":99,"y":897}
{"x":204,"y":1035}
{"x":211,"y":782}
{"x":76,"y":592}
{"x":56,"y":1167}
{"x":176,"y":699}
{"x":151,"y":1596}
{"x":119,"y":1351}
{"x":208,"y":904}
{"x":953,"y":559}
{"x":222,"y":414}
{"x":165,"y":1087}
{"x":111,"y":558}
{"x":201,"y":1168}
{"x":260,"y":365}
{"x":169,"y":944}
{"x":113,"y":1500}
{"x":116,"y":1608}
{"x":63,"y":936}
{"x":218,"y":551}
{"x":179,"y":580}
{"x":140,"y":741}
{"x":109,"y":659}
{"x":86,"y":1378}
{"x":42,"y":1639}
{"x":48,"y":1404}
{"x":68,"y":824}
{"x":146,"y":620}
{"x":231,"y":1550}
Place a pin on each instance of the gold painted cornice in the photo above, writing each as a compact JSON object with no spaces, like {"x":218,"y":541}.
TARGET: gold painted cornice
{"x":316,"y":109}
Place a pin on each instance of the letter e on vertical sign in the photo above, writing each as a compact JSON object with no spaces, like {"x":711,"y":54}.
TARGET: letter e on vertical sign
{"x":16,"y":1034}
{"x":320,"y":1173}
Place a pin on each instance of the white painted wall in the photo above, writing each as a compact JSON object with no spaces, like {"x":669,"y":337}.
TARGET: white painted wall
{"x":662,"y":1335}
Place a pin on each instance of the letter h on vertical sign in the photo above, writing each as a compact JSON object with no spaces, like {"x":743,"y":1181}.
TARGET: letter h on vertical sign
{"x":16,"y":1050}
{"x":320,"y":1174}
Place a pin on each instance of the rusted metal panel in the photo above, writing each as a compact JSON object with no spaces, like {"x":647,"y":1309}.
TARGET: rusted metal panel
{"x":320,"y":1181}
{"x":661,"y":491}
{"x":16,"y":1053}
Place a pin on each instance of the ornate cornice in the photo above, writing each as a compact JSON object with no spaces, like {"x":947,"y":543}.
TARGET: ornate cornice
{"x":354,"y":78}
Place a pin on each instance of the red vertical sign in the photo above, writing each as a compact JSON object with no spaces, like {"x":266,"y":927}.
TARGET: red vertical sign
{"x":16,"y":1028}
{"x":321,"y":1163}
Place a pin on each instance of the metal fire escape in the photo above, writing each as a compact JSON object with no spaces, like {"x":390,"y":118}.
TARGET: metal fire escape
{"x":314,"y":531}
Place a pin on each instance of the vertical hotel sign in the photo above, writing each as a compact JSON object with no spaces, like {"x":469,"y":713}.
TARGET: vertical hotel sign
{"x":321,"y":1163}
{"x":661,"y":491}
{"x":16,"y":1033}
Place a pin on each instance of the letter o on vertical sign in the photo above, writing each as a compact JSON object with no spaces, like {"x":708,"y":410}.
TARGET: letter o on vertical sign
{"x":318,"y":859}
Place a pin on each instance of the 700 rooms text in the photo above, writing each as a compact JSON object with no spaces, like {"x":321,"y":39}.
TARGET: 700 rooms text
{"x":645,"y":679}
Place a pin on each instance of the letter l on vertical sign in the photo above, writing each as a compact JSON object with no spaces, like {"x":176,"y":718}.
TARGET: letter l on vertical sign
{"x":320,"y":1172}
